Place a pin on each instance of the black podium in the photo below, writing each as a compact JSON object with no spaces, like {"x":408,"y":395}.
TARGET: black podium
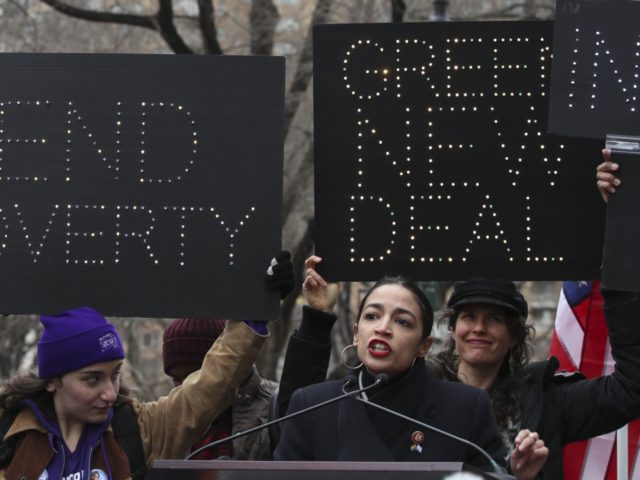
{"x":253,"y":470}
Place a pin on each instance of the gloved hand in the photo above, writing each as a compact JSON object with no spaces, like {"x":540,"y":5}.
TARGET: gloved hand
{"x":280,"y":275}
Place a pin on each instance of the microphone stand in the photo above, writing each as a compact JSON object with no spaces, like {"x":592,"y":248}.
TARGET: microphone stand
{"x":381,"y":379}
{"x":350,"y":380}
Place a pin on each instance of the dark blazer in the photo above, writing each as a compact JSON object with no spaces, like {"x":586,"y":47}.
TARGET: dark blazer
{"x":351,"y":431}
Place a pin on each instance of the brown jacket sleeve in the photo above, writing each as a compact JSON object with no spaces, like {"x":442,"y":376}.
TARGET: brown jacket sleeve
{"x":170,"y":425}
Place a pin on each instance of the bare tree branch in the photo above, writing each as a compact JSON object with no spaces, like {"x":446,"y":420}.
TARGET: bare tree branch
{"x":398,"y":9}
{"x":14,"y":345}
{"x":304,"y":71}
{"x":162,"y":21}
{"x":167,"y":29}
{"x":20,"y":7}
{"x":206,"y":20}
{"x":304,"y":177}
{"x":32,"y":44}
{"x":263,"y":19}
{"x":102,"y":17}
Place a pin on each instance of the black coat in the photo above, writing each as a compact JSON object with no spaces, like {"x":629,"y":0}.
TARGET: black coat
{"x":351,"y":431}
{"x":566,"y":408}
{"x":307,"y":356}
{"x":561,"y":408}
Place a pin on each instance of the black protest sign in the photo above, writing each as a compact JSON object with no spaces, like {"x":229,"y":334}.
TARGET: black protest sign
{"x":595,"y":76}
{"x":431,"y":156}
{"x":140,"y":184}
{"x":621,"y":256}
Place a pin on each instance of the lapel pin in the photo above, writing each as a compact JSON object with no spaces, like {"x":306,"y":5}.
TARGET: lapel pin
{"x":417,"y":438}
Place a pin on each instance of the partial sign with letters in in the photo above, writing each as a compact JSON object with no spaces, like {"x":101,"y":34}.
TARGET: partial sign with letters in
{"x":595,"y":93}
{"x":595,"y":88}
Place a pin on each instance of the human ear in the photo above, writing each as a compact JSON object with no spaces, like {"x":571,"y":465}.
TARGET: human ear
{"x":54,"y":384}
{"x":425,"y":345}
{"x":355,"y":333}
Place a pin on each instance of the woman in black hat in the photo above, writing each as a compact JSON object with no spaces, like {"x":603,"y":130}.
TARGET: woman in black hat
{"x":489,"y":345}
{"x":489,"y":348}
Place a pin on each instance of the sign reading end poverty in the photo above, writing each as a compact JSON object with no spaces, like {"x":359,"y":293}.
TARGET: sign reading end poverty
{"x":595,"y":88}
{"x":138,"y":184}
{"x":432,"y":158}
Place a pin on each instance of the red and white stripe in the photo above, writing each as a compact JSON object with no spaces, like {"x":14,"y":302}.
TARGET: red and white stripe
{"x":580,"y":342}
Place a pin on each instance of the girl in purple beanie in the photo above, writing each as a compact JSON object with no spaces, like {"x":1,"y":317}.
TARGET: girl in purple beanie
{"x":63,"y":415}
{"x":64,"y":420}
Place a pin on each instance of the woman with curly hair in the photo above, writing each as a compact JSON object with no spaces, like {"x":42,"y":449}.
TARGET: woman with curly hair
{"x":489,"y":346}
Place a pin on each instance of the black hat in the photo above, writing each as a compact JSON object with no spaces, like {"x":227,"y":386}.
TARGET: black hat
{"x":491,"y":291}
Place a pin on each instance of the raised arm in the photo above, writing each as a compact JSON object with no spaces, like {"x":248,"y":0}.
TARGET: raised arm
{"x":170,"y":425}
{"x":309,"y":348}
{"x":614,"y":399}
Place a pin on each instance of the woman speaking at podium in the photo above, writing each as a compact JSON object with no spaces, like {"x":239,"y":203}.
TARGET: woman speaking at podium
{"x":391,"y":338}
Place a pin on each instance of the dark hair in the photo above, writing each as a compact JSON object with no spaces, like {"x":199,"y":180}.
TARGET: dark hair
{"x":28,"y":384}
{"x":505,"y":391}
{"x":426,"y":310}
{"x":21,"y":386}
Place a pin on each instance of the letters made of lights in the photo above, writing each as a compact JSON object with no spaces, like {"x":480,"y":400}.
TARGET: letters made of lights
{"x":110,"y":164}
{"x":138,"y":184}
{"x":595,"y":89}
{"x":444,"y":164}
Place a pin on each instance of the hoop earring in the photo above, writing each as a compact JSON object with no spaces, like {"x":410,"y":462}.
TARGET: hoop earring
{"x":414,"y":362}
{"x":344,"y":363}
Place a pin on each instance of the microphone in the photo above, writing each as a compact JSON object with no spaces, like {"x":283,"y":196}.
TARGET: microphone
{"x":382,"y":379}
{"x":349,"y":381}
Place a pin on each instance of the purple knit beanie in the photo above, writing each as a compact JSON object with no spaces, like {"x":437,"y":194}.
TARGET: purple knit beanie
{"x":187,"y":341}
{"x":74,"y":339}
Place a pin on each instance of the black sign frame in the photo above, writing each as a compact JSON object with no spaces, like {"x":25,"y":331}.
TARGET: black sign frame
{"x":432,"y":158}
{"x":140,"y":184}
{"x":595,"y":88}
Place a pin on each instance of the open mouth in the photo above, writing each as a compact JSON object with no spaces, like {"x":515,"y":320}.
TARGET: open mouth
{"x":378,"y":348}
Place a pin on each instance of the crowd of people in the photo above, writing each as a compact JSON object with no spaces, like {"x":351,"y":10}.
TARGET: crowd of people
{"x":479,"y":400}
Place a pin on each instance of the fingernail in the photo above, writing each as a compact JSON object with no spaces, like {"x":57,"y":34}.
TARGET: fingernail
{"x":616,"y":182}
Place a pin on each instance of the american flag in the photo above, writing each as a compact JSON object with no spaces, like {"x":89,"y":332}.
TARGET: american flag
{"x":580,"y":341}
